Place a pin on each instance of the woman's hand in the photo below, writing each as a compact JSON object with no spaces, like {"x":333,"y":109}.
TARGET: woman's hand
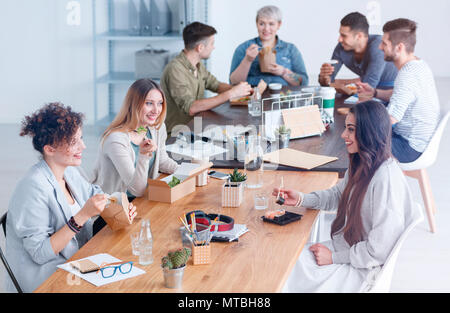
{"x":147,"y":147}
{"x":251,"y":52}
{"x":291,"y":197}
{"x":94,"y":206}
{"x":131,"y":211}
{"x":277,"y":69}
{"x":322,"y":254}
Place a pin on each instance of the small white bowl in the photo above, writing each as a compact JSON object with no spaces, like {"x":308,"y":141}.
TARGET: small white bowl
{"x":275,"y":86}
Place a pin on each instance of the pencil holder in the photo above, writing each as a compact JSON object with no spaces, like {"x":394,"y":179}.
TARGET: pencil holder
{"x":232,"y":194}
{"x":201,"y":254}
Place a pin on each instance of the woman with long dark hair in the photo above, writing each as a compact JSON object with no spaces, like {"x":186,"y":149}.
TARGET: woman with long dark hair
{"x":374,"y":207}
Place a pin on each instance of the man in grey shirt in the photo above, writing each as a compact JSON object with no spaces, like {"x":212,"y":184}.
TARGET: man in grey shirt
{"x":359,"y":52}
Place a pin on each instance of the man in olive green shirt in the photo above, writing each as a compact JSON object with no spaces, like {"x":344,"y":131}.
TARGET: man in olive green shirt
{"x":185,"y":79}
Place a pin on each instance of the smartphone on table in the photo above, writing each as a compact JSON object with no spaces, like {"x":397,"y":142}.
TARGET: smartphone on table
{"x":218,"y":175}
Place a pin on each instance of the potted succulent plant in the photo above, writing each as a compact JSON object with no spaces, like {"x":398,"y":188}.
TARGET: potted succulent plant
{"x":173,"y":266}
{"x":233,"y":189}
{"x":236,"y":178}
{"x":283,"y":135}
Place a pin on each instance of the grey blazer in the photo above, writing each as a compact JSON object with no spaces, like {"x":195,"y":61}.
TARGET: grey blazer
{"x":38,"y":208}
{"x":115,"y":170}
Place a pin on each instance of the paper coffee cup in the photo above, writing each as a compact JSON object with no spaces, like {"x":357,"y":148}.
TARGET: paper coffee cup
{"x":332,"y":62}
{"x":328,"y":95}
{"x":275,"y":89}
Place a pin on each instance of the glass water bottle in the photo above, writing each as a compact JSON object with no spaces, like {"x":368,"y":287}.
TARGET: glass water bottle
{"x":145,"y":243}
{"x":253,"y":163}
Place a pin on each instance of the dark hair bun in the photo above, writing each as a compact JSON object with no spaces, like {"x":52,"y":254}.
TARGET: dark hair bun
{"x":54,"y":124}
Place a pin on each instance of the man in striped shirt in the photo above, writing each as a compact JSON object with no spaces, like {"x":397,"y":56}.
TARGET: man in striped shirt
{"x":413,"y":103}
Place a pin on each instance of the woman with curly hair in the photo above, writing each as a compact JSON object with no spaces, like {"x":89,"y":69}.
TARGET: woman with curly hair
{"x":50,"y":212}
{"x":374,"y":207}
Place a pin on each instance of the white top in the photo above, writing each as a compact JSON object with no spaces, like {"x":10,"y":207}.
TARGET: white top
{"x":75,"y":207}
{"x":415,"y":104}
{"x":115,"y":169}
{"x":387,"y":209}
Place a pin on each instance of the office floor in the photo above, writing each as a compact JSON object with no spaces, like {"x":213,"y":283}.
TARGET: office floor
{"x":423,"y":262}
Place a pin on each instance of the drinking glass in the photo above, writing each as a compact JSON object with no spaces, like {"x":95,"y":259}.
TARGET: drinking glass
{"x":135,"y":243}
{"x":254,"y":164}
{"x":261,"y":201}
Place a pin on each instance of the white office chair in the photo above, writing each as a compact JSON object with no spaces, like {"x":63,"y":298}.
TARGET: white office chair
{"x":320,"y":227}
{"x":417,"y":170}
{"x":381,"y":282}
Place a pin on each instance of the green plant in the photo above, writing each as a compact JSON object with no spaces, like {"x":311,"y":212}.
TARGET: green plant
{"x":283,"y":130}
{"x":175,"y":181}
{"x":237,"y":176}
{"x":176,"y":259}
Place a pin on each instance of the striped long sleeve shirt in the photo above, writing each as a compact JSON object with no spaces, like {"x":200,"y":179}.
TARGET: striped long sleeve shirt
{"x":414,"y":104}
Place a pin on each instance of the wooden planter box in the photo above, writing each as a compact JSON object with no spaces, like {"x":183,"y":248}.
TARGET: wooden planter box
{"x":232,"y":194}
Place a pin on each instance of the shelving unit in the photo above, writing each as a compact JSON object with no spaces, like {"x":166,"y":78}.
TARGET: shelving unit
{"x":194,"y":10}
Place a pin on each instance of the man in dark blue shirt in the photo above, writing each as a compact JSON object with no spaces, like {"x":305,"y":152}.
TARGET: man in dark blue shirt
{"x":360,"y":53}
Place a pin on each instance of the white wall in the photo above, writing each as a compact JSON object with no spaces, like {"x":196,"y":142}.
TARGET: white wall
{"x":313,"y":27}
{"x":44,"y":59}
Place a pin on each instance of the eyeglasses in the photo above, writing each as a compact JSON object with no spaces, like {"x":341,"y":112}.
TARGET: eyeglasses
{"x":109,"y":270}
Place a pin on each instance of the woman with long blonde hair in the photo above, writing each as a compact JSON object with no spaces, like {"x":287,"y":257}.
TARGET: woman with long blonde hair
{"x":133,"y":146}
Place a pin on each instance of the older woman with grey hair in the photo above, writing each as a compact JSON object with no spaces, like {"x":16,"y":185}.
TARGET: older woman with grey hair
{"x":289,"y":68}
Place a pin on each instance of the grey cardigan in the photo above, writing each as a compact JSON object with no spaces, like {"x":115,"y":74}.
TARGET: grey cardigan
{"x":38,"y":208}
{"x":115,"y":169}
{"x":387,"y":210}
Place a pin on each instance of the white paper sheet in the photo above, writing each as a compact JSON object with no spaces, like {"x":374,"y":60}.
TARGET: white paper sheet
{"x":185,"y":168}
{"x":272,"y":120}
{"x":199,"y":150}
{"x":237,"y":231}
{"x":96,"y":278}
{"x":352,"y":99}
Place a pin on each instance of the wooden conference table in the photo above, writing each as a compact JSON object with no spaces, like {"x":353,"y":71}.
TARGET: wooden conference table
{"x":259,"y":262}
{"x":329,"y":143}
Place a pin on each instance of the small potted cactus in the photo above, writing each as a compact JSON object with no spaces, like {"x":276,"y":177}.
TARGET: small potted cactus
{"x":173,"y":266}
{"x":233,"y":189}
{"x":283,"y":135}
